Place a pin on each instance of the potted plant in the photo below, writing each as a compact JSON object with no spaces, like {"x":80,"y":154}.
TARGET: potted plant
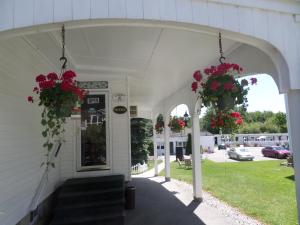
{"x":176,"y":124}
{"x":221,"y":90}
{"x":159,"y":126}
{"x":58,"y":96}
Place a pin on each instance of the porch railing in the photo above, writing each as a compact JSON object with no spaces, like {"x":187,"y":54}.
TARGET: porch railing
{"x":139,"y":168}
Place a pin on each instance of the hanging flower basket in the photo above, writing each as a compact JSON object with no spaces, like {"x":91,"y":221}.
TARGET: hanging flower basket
{"x":176,"y":124}
{"x":58,"y":96}
{"x":221,"y":90}
{"x":225,"y":102}
{"x":159,"y":126}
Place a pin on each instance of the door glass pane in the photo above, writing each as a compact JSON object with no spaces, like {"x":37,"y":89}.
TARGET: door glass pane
{"x":93,"y":131}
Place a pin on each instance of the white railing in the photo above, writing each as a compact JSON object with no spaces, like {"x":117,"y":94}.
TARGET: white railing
{"x":265,"y":143}
{"x":139,"y":168}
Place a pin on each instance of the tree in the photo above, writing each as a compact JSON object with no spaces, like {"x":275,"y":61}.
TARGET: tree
{"x":250,"y":128}
{"x":141,"y":133}
{"x":254,"y":122}
{"x":188,"y":147}
{"x":280,"y":120}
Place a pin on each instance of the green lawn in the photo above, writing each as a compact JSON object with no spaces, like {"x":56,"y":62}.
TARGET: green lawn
{"x":151,"y":163}
{"x":264,"y":190}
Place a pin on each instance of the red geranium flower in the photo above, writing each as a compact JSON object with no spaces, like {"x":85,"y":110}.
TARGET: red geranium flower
{"x":40,"y":78}
{"x":235,"y":115}
{"x":194,"y":86}
{"x":52,"y":76}
{"x":68,"y":75}
{"x":47,"y":84}
{"x":30,"y":99}
{"x":66,"y":86}
{"x":207,"y":71}
{"x":239,"y":121}
{"x":198,"y":76}
{"x":214,"y":85}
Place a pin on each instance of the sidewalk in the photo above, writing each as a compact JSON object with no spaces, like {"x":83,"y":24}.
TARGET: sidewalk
{"x":171,"y":203}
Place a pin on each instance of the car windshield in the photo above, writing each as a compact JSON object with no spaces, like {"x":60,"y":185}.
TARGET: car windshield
{"x":243,"y":150}
{"x":278,"y":148}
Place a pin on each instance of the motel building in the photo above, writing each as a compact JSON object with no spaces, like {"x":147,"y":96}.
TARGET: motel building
{"x":126,"y":53}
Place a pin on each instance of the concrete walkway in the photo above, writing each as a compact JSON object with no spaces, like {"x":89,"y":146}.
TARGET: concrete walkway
{"x":171,"y":203}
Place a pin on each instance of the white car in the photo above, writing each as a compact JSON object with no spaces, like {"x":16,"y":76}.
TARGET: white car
{"x":240,"y":154}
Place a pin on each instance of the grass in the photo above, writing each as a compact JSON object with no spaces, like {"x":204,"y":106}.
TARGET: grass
{"x":264,"y":189}
{"x":150,"y":164}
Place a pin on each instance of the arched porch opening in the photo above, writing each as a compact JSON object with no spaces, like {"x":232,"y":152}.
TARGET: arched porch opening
{"x":154,"y":61}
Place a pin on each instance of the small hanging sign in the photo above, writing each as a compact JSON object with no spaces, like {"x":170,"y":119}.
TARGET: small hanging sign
{"x":120,"y":109}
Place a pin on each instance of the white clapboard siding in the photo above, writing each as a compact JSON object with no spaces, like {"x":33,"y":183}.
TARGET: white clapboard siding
{"x":21,"y":151}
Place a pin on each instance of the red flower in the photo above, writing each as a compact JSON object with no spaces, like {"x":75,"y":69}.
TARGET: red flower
{"x":194,"y":86}
{"x":235,"y":115}
{"x":244,"y":82}
{"x":253,"y":80}
{"x":30,"y":99}
{"x":181,"y":123}
{"x":221,"y":69}
{"x":40,"y":78}
{"x":52,"y":76}
{"x":212,"y":123}
{"x":239,"y":121}
{"x":198,"y":76}
{"x":79,"y":92}
{"x":68,"y":75}
{"x":220,"y":122}
{"x":207,"y":71}
{"x":66,"y":86}
{"x":228,"y":86}
{"x":47,"y":84}
{"x":236,"y":67}
{"x":214,"y":85}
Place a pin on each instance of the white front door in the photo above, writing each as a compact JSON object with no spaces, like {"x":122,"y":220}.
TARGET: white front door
{"x":93,"y":136}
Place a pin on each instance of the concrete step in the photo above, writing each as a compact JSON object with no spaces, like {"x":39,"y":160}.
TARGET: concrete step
{"x":91,"y":219}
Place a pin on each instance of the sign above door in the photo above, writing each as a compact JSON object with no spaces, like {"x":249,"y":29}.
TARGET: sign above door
{"x":120,"y":109}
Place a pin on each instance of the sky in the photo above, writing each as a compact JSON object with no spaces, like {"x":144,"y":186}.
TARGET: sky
{"x":261,"y":97}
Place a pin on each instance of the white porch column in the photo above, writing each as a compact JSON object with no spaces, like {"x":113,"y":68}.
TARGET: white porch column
{"x":196,"y":157}
{"x":167,"y":149}
{"x":155,"y":153}
{"x":293,"y":111}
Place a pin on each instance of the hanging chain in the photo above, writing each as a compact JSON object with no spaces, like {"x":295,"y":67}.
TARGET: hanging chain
{"x":222,"y":58}
{"x":63,"y":58}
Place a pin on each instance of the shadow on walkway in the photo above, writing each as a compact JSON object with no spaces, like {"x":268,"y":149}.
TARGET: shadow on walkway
{"x":157,"y":206}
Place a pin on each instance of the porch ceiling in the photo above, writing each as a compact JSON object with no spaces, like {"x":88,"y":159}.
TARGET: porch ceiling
{"x":157,"y":61}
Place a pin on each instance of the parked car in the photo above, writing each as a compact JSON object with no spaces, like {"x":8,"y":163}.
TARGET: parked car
{"x":278,"y":152}
{"x":240,"y":154}
{"x":221,"y":146}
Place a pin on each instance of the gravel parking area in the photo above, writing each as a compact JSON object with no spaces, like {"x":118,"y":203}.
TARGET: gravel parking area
{"x":221,"y":155}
